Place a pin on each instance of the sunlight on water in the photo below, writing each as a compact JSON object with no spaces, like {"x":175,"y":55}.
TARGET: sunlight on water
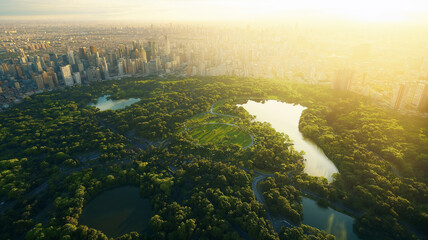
{"x":284,"y":117}
{"x":336,"y":223}
{"x":330,"y":223}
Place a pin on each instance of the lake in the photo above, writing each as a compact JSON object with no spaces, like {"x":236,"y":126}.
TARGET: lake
{"x":284,"y":117}
{"x":118,"y":211}
{"x":328,"y":219}
{"x":103,"y":103}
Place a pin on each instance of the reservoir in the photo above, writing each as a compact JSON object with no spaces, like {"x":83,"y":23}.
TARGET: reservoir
{"x":103,"y":103}
{"x":284,"y":117}
{"x":118,"y":211}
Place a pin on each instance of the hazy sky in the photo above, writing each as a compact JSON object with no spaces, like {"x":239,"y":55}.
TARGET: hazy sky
{"x":158,"y":10}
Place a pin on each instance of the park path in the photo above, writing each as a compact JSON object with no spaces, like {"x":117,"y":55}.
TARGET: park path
{"x":277,"y":222}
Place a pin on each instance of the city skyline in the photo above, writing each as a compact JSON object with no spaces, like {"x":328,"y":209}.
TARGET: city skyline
{"x":210,"y":10}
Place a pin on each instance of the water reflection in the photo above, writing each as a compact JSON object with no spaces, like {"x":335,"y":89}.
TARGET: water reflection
{"x":329,"y":220}
{"x":284,"y":117}
{"x":105,"y":104}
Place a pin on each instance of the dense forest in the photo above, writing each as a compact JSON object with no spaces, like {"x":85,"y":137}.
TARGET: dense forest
{"x":57,"y":153}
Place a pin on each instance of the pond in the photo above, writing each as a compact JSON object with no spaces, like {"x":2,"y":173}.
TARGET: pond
{"x":118,"y":211}
{"x":328,"y":219}
{"x":284,"y":117}
{"x":103,"y":103}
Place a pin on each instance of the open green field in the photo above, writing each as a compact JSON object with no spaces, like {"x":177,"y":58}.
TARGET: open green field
{"x":218,"y":104}
{"x":209,"y":118}
{"x":220,"y":134}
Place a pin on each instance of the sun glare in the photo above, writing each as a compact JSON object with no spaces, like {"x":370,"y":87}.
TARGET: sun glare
{"x":372,"y":15}
{"x":363,"y":10}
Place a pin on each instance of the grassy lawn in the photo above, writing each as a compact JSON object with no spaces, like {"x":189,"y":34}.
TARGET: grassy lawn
{"x":220,"y":134}
{"x":218,"y":104}
{"x":206,"y":118}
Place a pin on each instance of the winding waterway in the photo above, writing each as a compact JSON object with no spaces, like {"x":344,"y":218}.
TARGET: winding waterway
{"x":284,"y":117}
{"x":103,"y":103}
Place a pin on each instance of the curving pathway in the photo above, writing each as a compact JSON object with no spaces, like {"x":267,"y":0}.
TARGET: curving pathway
{"x":277,"y":223}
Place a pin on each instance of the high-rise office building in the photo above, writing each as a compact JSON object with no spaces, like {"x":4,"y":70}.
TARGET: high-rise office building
{"x":121,"y":66}
{"x":93,"y":74}
{"x":423,"y":104}
{"x":399,"y":96}
{"x":77,"y":78}
{"x":39,"y":66}
{"x":167,"y":46}
{"x":83,"y":53}
{"x":52,"y":74}
{"x":70,"y":57}
{"x":153,"y":66}
{"x":343,"y":79}
{"x":19,"y":71}
{"x":153,"y":50}
{"x":143,"y":54}
{"x":137,"y":44}
{"x":4,"y":68}
{"x":51,"y":82}
{"x":39,"y":82}
{"x":45,"y":77}
{"x":415,"y":93}
{"x":66,"y":75}
{"x":93,"y":49}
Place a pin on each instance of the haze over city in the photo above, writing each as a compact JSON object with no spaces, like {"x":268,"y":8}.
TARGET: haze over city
{"x":215,"y":10}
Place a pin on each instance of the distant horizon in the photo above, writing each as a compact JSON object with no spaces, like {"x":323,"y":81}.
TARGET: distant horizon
{"x":363,"y":11}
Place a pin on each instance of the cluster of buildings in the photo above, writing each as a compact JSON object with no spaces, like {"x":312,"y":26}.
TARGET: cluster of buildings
{"x":410,"y":95}
{"x":27,"y":74}
{"x":369,"y":62}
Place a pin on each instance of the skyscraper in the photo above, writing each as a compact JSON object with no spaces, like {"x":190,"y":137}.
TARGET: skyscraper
{"x":93,"y":74}
{"x":82,"y":53}
{"x":167,"y":46}
{"x":52,"y":74}
{"x":423,"y":104}
{"x":143,"y":54}
{"x":39,"y":66}
{"x":153,"y":50}
{"x":51,"y":82}
{"x":39,"y":82}
{"x":343,"y":79}
{"x":77,"y":79}
{"x":93,"y":49}
{"x":66,"y":75}
{"x":70,"y":56}
{"x":121,"y":66}
{"x":399,"y":96}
